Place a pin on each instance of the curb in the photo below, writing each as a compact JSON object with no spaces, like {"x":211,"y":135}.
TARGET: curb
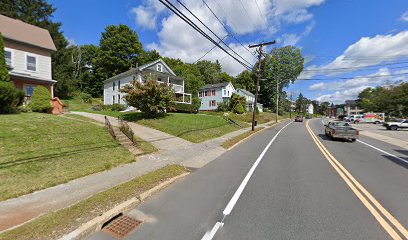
{"x":246,"y":138}
{"x":96,"y":224}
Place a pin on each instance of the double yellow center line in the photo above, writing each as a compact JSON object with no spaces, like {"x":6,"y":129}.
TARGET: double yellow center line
{"x":376,"y":209}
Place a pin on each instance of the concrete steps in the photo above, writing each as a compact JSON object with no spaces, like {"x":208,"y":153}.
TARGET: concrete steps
{"x":125,"y":141}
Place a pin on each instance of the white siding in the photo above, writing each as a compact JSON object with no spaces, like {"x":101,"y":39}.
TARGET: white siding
{"x":108,"y":91}
{"x":43,"y":64}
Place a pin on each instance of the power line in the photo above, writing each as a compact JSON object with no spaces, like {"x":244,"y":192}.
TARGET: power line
{"x":260,"y":13}
{"x":210,"y":50}
{"x":213,"y":32}
{"x":348,"y":68}
{"x":346,"y":78}
{"x":183,"y":17}
{"x":247,"y":13}
{"x":226,"y":29}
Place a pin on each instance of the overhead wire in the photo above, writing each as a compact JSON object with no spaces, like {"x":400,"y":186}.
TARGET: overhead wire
{"x":182,"y":16}
{"x":226,"y":29}
{"x":185,"y":7}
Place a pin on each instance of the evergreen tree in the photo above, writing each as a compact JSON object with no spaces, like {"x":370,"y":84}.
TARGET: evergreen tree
{"x":4,"y":76}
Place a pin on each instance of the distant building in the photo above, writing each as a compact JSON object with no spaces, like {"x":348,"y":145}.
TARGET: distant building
{"x":309,"y":108}
{"x":334,"y":111}
{"x":351,"y":108}
{"x":27,"y":50}
{"x":250,"y":99}
{"x":212,"y":94}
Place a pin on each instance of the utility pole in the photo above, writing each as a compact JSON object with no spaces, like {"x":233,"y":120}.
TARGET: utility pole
{"x":258,"y":77}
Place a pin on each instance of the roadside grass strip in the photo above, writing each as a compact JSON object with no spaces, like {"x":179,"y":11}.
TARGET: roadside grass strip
{"x":376,"y":209}
{"x":58,"y":223}
{"x":236,"y":140}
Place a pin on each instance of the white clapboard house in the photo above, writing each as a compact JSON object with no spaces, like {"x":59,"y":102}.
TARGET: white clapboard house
{"x":157,"y":70}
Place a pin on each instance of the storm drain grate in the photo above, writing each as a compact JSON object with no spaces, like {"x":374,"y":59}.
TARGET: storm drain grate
{"x":122,"y":226}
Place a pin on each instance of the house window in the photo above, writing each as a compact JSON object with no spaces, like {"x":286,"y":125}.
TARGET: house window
{"x":213,"y":92}
{"x":228,"y":93}
{"x":205,"y":93}
{"x":7,"y":56}
{"x":225,"y":92}
{"x":31,"y":63}
{"x":159,"y":68}
{"x":113,"y":99}
{"x":118,"y":98}
{"x":213,"y":103}
{"x":118,"y":85}
{"x":113,"y":86}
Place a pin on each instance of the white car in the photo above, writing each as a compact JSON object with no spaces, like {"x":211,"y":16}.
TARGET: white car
{"x":397,"y":124}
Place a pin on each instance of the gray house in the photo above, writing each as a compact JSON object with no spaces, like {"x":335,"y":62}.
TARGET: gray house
{"x":250,"y":99}
{"x":157,"y":70}
{"x":212,"y":94}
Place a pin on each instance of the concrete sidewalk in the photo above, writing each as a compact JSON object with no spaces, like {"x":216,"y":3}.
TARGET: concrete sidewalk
{"x":171,"y":150}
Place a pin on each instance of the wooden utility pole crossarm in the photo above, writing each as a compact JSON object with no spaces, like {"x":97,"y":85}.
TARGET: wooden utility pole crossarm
{"x":258,"y":77}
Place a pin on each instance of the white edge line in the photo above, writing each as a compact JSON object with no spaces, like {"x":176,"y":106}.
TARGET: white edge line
{"x":210,"y":235}
{"x":376,"y":148}
{"x":241,"y":187}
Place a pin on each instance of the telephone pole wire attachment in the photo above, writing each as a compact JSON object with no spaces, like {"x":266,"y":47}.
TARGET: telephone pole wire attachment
{"x":259,"y":50}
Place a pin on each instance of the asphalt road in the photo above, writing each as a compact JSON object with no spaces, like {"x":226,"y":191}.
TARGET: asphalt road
{"x":295,"y":192}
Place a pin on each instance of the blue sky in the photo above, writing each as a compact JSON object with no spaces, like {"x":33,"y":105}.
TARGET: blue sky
{"x":338,"y":38}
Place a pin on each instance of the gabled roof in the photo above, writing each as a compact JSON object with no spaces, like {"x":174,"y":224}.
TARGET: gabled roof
{"x":153,"y":63}
{"x":140,"y":68}
{"x":20,"y":31}
{"x":215,"y":85}
{"x":248,"y":93}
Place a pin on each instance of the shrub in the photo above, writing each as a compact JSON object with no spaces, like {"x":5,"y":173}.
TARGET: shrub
{"x":237,"y":100}
{"x":40,"y":100}
{"x":151,"y":98}
{"x":86,"y":97}
{"x":8,"y":98}
{"x":239,"y":109}
{"x":114,"y":107}
{"x":223,"y":107}
{"x":185,"y":108}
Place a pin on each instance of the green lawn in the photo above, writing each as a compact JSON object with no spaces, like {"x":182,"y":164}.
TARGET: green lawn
{"x":41,"y":150}
{"x":55,"y":224}
{"x":192,"y":127}
{"x":246,"y":118}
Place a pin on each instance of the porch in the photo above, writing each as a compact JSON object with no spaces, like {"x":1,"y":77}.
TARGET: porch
{"x":175,"y":82}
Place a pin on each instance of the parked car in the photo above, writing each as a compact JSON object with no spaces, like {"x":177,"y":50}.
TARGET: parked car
{"x":299,"y":119}
{"x":394,"y":125}
{"x":341,"y":130}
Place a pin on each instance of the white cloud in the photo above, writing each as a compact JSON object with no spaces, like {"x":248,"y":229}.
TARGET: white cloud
{"x":404,"y":17}
{"x":366,"y":51}
{"x":145,"y":17}
{"x":356,"y":81}
{"x":283,"y":6}
{"x":292,"y":38}
{"x":146,"y":14}
{"x":340,"y":96}
{"x":297,"y":16}
{"x":176,"y":39}
{"x":349,"y":89}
